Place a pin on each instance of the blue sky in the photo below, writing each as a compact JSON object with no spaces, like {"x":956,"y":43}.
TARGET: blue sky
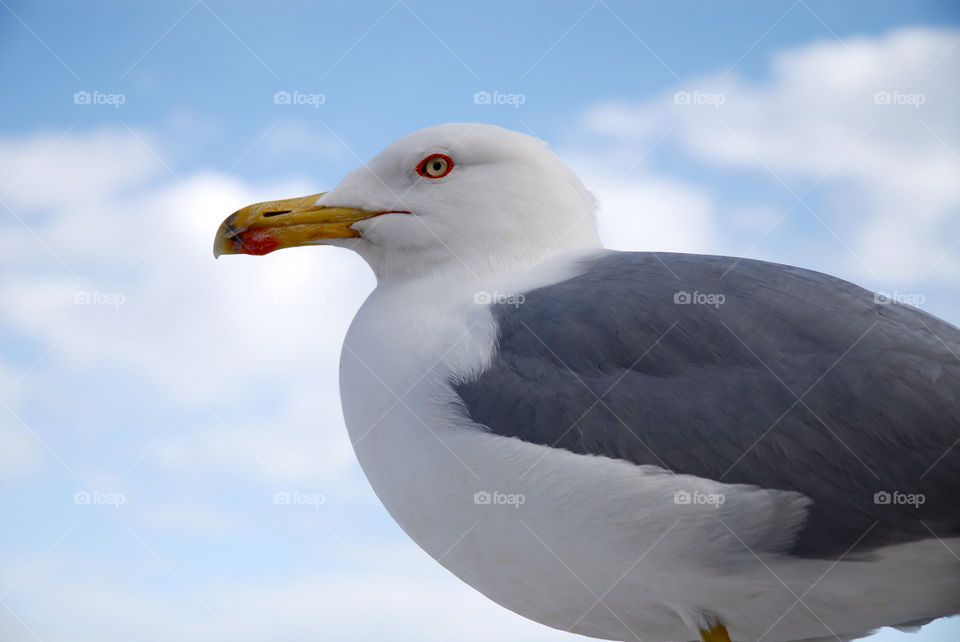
{"x":135,"y":368}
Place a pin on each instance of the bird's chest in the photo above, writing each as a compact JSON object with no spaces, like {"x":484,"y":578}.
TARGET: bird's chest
{"x":496,"y":511}
{"x":400,"y":411}
{"x":400,"y":354}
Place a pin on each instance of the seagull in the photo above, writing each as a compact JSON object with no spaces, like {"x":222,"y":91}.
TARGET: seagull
{"x":631,"y":445}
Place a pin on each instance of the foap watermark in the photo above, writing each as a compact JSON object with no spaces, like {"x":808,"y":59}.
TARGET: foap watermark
{"x":909,"y":298}
{"x":896,"y":498}
{"x":98,"y":98}
{"x":483,"y":297}
{"x":299,"y":98}
{"x":899,"y":98}
{"x":496,"y":498}
{"x":114,"y":299}
{"x":97,"y":497}
{"x":699,"y":298}
{"x":298,"y":498}
{"x":713,"y":99}
{"x":696,"y":498}
{"x":483,"y":97}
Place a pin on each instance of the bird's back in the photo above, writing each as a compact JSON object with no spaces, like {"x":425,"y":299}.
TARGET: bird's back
{"x":742,"y":371}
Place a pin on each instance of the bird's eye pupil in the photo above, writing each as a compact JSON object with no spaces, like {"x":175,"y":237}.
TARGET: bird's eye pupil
{"x":435,"y":166}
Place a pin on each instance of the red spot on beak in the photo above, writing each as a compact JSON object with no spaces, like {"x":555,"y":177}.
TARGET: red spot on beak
{"x":257,"y":242}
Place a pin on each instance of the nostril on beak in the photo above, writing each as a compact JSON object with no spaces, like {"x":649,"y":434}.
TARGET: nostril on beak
{"x":266,"y":214}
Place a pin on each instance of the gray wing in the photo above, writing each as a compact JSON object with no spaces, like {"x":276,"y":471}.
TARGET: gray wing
{"x":796,"y":381}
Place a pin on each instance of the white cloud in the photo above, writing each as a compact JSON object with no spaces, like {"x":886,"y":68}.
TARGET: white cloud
{"x":303,"y":440}
{"x":407,"y":597}
{"x":816,"y":117}
{"x":21,"y":453}
{"x":641,"y":208}
{"x":71,"y":169}
{"x":105,"y":222}
{"x":654,"y":213}
{"x":191,"y":517}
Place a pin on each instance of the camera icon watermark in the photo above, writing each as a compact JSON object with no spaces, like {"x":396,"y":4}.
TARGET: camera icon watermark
{"x":896,"y":498}
{"x":298,"y":498}
{"x":885,"y":97}
{"x":299,"y":98}
{"x":484,"y":297}
{"x":699,"y":298}
{"x":98,"y":98}
{"x":496,"y":498}
{"x":484,"y":97}
{"x":696,"y":498}
{"x":96,"y":497}
{"x":113,"y":299}
{"x":915,"y":299}
{"x":712,"y":99}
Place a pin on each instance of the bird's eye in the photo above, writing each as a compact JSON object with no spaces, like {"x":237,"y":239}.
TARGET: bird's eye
{"x":435,"y":166}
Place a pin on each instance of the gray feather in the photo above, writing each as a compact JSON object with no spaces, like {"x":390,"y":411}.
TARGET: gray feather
{"x":711,"y":390}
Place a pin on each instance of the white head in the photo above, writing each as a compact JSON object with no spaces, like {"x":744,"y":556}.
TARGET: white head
{"x":456,"y":197}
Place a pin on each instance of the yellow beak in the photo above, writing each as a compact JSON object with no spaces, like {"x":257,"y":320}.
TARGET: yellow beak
{"x":262,"y":228}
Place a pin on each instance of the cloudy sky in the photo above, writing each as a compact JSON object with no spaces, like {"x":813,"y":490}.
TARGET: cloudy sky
{"x":153,"y":402}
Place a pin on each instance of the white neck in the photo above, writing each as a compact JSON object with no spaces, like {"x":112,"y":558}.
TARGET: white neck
{"x":467,"y":263}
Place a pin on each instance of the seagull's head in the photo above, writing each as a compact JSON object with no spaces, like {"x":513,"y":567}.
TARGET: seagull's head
{"x":456,"y":196}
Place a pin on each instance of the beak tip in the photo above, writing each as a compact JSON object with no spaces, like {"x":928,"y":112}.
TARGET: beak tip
{"x":218,"y":245}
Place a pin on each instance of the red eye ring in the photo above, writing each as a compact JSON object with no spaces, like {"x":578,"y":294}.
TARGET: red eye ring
{"x":435,"y":166}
